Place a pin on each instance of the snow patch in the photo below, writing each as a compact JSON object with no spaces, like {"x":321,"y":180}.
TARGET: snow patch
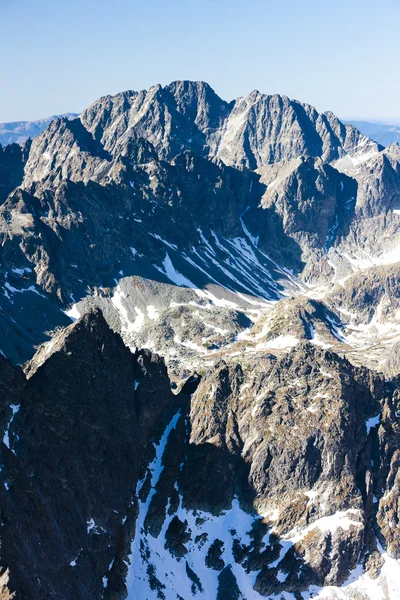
{"x":6,"y":439}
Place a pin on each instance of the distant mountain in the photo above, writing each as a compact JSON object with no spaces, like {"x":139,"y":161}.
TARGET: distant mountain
{"x":249,"y":132}
{"x":380,"y":132}
{"x":19,"y":131}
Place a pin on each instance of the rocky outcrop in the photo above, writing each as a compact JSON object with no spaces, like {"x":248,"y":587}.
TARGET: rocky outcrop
{"x":306,"y":203}
{"x":278,"y":479}
{"x":12,"y":160}
{"x":275,"y":471}
{"x":393,"y":359}
{"x":371,"y":293}
{"x":81,"y":425}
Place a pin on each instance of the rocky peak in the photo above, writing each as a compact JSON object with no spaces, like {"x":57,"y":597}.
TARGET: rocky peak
{"x":199,"y":103}
{"x":86,"y":335}
{"x":306,"y":199}
{"x":85,"y":416}
{"x":20,"y":132}
{"x":249,"y":132}
{"x":379,"y":183}
{"x":65,"y":150}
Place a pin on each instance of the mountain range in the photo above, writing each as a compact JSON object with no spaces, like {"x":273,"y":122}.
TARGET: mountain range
{"x":19,"y":131}
{"x":200,"y":330}
{"x":382,"y":133}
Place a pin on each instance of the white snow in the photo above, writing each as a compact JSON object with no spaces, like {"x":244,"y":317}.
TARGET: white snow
{"x":326,"y":525}
{"x":174,"y":275}
{"x":217,"y":329}
{"x":360,"y":259}
{"x":318,"y":341}
{"x":73,"y":313}
{"x":31,"y":288}
{"x":152,"y":312}
{"x":90,"y":525}
{"x":233,"y":524}
{"x":282,"y":576}
{"x":127,"y":326}
{"x":311,"y":495}
{"x":190,"y":345}
{"x":137,"y":582}
{"x":339,"y":520}
{"x":326,"y":373}
{"x":332,"y":233}
{"x":221,"y":302}
{"x":158,"y":237}
{"x":230,"y":525}
{"x":254,"y":239}
{"x":360,"y":156}
{"x":22,"y":271}
{"x":206,"y":242}
{"x":6,"y":439}
{"x":383,"y":328}
{"x":280,"y":342}
{"x":385,"y":587}
{"x":135,"y":252}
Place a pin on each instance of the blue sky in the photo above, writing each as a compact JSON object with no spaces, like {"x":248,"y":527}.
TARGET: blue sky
{"x":60,"y":56}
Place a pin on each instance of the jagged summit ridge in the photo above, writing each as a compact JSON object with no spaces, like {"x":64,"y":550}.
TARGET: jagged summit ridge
{"x":250,"y":131}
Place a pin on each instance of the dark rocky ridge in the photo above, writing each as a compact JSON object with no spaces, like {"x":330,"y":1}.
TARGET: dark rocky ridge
{"x":271,"y":435}
{"x":87,"y":412}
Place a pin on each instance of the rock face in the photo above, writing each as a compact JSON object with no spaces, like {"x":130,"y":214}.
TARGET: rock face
{"x":296,"y":442}
{"x":12,"y":160}
{"x":289,"y":457}
{"x":72,"y":451}
{"x":308,"y":197}
{"x":255,"y":245}
{"x":249,"y":132}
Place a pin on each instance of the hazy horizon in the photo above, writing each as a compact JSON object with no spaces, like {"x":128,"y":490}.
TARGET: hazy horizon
{"x":381,"y":121}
